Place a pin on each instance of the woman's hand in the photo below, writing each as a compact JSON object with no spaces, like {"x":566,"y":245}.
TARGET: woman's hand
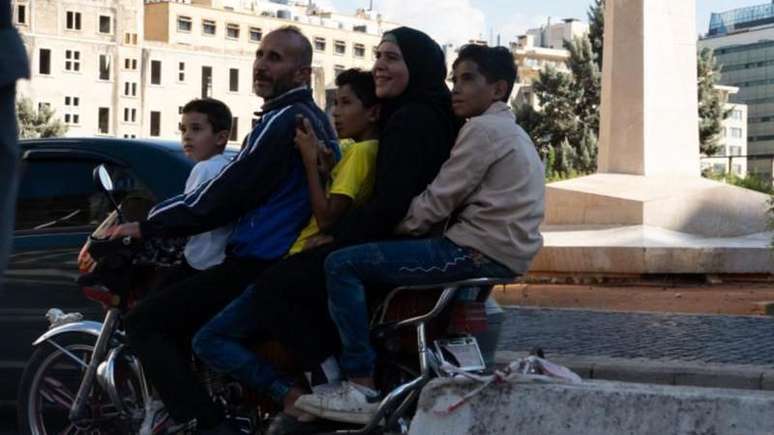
{"x":306,"y":141}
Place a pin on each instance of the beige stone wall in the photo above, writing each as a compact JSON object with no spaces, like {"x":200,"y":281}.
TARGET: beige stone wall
{"x":157,"y":22}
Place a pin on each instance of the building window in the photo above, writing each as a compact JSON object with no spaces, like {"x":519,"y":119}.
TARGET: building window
{"x":233,"y":80}
{"x":44,"y":61}
{"x":130,"y":89}
{"x":184,"y":24}
{"x":130,"y":38}
{"x":206,"y":81}
{"x":319,"y":44}
{"x":72,"y":60}
{"x":21,"y":14}
{"x":340,"y":47}
{"x":181,"y":71}
{"x":155,"y":123}
{"x":734,"y":151}
{"x":338,"y":69}
{"x":104,"y":67}
{"x":736,"y":114}
{"x":208,"y":27}
{"x":71,"y":115}
{"x":234,"y":129}
{"x":103,"y":122}
{"x":130,"y":64}
{"x":73,"y":20}
{"x":736,"y":132}
{"x":255,"y":34}
{"x":130,"y":115}
{"x":359,"y":50}
{"x":232,"y":31}
{"x":155,"y":72}
{"x":104,"y":24}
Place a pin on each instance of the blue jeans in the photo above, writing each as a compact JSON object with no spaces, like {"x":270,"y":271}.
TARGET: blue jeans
{"x":411,"y":262}
{"x":219,"y":344}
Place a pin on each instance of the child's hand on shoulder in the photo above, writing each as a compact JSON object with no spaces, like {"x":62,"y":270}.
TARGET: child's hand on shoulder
{"x":306,"y":141}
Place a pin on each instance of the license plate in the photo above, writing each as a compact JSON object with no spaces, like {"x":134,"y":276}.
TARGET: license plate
{"x":463,"y":353}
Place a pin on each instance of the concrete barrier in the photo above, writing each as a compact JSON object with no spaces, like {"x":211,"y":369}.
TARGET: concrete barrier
{"x":591,"y":408}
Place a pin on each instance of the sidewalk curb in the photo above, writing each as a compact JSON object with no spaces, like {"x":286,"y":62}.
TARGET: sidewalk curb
{"x":747,"y":377}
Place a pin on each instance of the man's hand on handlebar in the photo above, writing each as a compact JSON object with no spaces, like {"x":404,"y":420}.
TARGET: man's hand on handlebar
{"x":131,"y":229}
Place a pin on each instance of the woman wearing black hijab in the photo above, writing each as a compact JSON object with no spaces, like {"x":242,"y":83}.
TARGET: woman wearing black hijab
{"x":417,"y":131}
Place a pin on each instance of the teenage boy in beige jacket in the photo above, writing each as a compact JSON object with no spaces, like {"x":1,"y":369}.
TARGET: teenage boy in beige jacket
{"x":490,"y":192}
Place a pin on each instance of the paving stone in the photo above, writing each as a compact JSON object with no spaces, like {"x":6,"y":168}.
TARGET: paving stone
{"x":745,"y":340}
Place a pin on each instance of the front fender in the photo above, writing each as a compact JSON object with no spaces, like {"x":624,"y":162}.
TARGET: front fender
{"x":86,"y":327}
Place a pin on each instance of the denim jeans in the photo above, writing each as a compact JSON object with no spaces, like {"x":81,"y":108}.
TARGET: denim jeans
{"x":219,"y":343}
{"x":411,"y":262}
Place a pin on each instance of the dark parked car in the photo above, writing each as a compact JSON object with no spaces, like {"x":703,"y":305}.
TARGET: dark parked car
{"x":57,"y":208}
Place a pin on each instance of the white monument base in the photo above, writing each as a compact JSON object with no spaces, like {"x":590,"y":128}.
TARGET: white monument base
{"x":615,"y":223}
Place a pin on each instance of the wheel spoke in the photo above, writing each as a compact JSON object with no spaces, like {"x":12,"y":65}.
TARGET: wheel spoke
{"x":56,"y":392}
{"x":69,"y":428}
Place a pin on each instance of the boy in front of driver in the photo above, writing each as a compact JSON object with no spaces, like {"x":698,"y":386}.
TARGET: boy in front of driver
{"x":204,"y":127}
{"x":492,"y":186}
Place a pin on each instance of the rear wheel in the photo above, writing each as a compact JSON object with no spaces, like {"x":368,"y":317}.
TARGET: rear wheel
{"x":50,"y":383}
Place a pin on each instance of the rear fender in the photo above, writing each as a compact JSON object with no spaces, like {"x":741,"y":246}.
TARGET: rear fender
{"x":86,"y":327}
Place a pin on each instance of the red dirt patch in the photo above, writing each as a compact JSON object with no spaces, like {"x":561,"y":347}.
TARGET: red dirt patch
{"x":725,"y":298}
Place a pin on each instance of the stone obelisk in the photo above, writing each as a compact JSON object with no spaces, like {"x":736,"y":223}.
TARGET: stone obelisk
{"x":649,"y":101}
{"x":647,"y":209}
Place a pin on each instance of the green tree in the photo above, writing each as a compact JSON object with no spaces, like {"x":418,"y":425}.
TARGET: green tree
{"x":588,"y":79}
{"x":711,"y":110}
{"x":596,"y":16}
{"x":771,"y":217}
{"x":36,"y":124}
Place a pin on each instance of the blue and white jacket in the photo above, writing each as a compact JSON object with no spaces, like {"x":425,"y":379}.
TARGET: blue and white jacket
{"x":263,"y":189}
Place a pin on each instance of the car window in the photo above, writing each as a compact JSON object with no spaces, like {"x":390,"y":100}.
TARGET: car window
{"x":62,"y":194}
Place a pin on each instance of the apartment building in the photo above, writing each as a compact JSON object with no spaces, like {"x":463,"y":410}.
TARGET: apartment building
{"x":125,"y":68}
{"x":542,"y":48}
{"x":732,"y":155}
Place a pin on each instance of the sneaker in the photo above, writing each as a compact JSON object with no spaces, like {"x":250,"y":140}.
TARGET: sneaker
{"x":346,"y":402}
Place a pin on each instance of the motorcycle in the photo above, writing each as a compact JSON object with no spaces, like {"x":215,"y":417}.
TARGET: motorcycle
{"x":83,"y":378}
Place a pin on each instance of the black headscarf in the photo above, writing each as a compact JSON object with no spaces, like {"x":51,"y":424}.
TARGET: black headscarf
{"x":418,"y":129}
{"x":427,"y":73}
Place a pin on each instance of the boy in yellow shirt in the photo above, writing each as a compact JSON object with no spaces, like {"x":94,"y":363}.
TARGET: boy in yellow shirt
{"x":355,"y":116}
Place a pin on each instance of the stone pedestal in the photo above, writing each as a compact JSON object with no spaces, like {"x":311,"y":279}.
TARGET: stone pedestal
{"x":648,"y":210}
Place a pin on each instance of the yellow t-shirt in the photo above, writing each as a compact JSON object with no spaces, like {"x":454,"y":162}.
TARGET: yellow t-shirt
{"x":352,"y":176}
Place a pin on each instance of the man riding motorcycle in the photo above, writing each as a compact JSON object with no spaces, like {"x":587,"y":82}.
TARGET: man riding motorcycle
{"x":264,"y":190}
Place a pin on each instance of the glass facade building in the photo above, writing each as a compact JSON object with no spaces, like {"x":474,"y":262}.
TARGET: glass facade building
{"x":740,"y":19}
{"x":743,"y":42}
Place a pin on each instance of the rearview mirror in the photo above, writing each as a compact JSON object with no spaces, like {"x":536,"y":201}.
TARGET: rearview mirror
{"x":102,"y":178}
{"x":105,"y":184}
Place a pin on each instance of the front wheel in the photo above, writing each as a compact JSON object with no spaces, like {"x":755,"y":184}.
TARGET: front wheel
{"x":50,"y":383}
